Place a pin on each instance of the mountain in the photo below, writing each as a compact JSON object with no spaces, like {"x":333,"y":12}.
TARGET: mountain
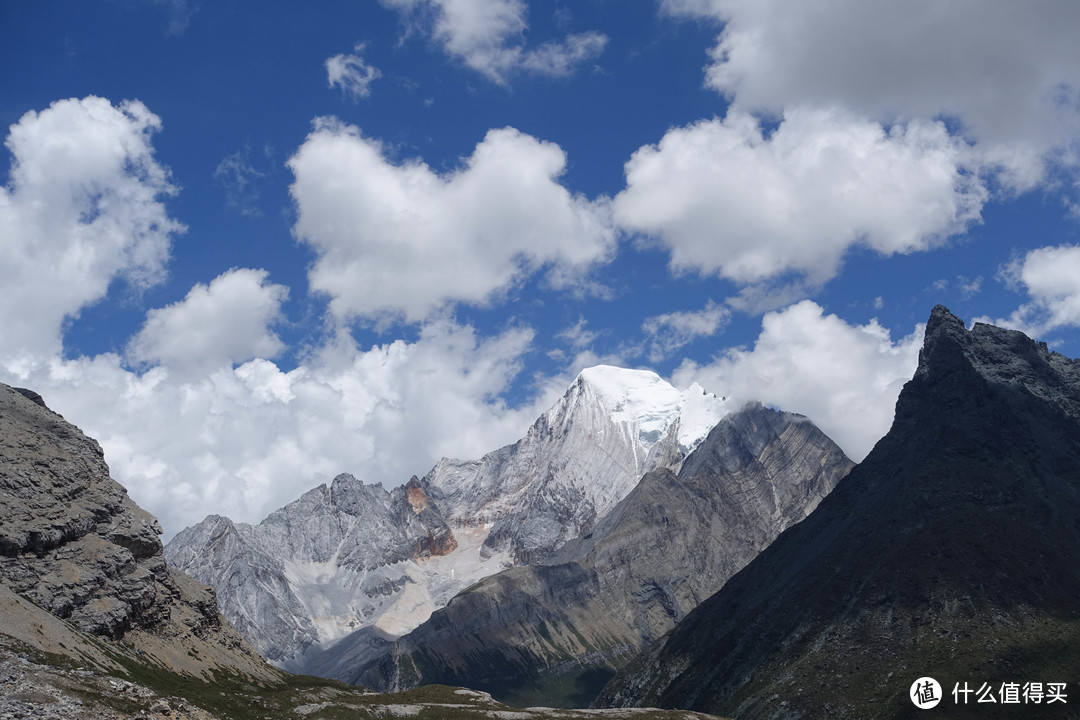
{"x":352,"y":556}
{"x":554,"y":632}
{"x":952,"y":551}
{"x":94,"y":625}
{"x":577,"y":461}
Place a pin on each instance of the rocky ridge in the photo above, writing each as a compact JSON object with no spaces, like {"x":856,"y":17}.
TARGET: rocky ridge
{"x":558,"y":630}
{"x":952,"y":551}
{"x":332,"y":557}
{"x":351,"y":556}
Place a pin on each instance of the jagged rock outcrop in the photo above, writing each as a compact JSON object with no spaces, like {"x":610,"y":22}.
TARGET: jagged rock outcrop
{"x":75,"y":544}
{"x":951,"y":551}
{"x":328,"y":559}
{"x":352,"y":556}
{"x":555,"y":632}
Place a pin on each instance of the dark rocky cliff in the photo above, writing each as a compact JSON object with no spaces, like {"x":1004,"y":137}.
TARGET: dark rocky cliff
{"x":952,"y":551}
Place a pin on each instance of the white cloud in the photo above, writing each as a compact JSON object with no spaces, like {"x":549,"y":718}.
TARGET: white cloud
{"x":488,"y":36}
{"x":1051,"y":278}
{"x":670,"y":331}
{"x":400,"y":239}
{"x":244,"y":441}
{"x":1010,"y":73}
{"x":351,"y":73}
{"x":725,"y":199}
{"x":846,"y":378}
{"x":81,"y":209}
{"x":215,"y":326}
{"x":559,"y":59}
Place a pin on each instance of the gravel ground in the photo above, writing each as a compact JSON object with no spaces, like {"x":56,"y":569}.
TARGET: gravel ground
{"x":32,"y":691}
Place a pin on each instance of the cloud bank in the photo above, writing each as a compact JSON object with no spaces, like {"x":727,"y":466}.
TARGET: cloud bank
{"x":1009,"y":74}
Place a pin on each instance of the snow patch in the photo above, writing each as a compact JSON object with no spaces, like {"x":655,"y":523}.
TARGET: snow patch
{"x":437,"y":579}
{"x":699,"y":413}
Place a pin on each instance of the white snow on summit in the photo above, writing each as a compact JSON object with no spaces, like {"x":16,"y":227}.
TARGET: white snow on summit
{"x":643,"y":398}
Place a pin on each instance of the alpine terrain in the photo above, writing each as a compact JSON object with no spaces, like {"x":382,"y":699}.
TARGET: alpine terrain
{"x":95,"y":626}
{"x":353,"y":557}
{"x":555,"y":631}
{"x":951,"y":552}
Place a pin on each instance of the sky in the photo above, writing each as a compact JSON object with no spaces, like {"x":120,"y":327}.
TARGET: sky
{"x":249,"y":246}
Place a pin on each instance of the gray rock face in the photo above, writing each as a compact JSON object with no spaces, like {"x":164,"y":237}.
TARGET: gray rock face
{"x":528,"y":634}
{"x":353,"y":556}
{"x":325,"y":559}
{"x":75,"y":544}
{"x":950,"y":552}
{"x":577,"y":461}
{"x":70,"y":537}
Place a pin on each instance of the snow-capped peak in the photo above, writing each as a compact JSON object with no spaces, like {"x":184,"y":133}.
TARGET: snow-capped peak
{"x":645,"y":400}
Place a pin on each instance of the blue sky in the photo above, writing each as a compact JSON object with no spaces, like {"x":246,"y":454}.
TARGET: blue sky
{"x":250,"y":245}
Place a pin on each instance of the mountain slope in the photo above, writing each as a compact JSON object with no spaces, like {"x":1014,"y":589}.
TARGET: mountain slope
{"x":334,"y":556}
{"x":76,"y":546}
{"x":576,"y":462}
{"x":554,"y":632}
{"x":952,"y":552}
{"x":353,"y":556}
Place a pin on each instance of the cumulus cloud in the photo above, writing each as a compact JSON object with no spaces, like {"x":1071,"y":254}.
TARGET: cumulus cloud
{"x":846,"y":378}
{"x":82,"y":208}
{"x":400,"y":239}
{"x":1051,"y":278}
{"x":351,"y":73}
{"x":216,"y":325}
{"x":243,"y":441}
{"x":487,"y":35}
{"x":669,"y":332}
{"x":1011,"y":75}
{"x":726,"y":199}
